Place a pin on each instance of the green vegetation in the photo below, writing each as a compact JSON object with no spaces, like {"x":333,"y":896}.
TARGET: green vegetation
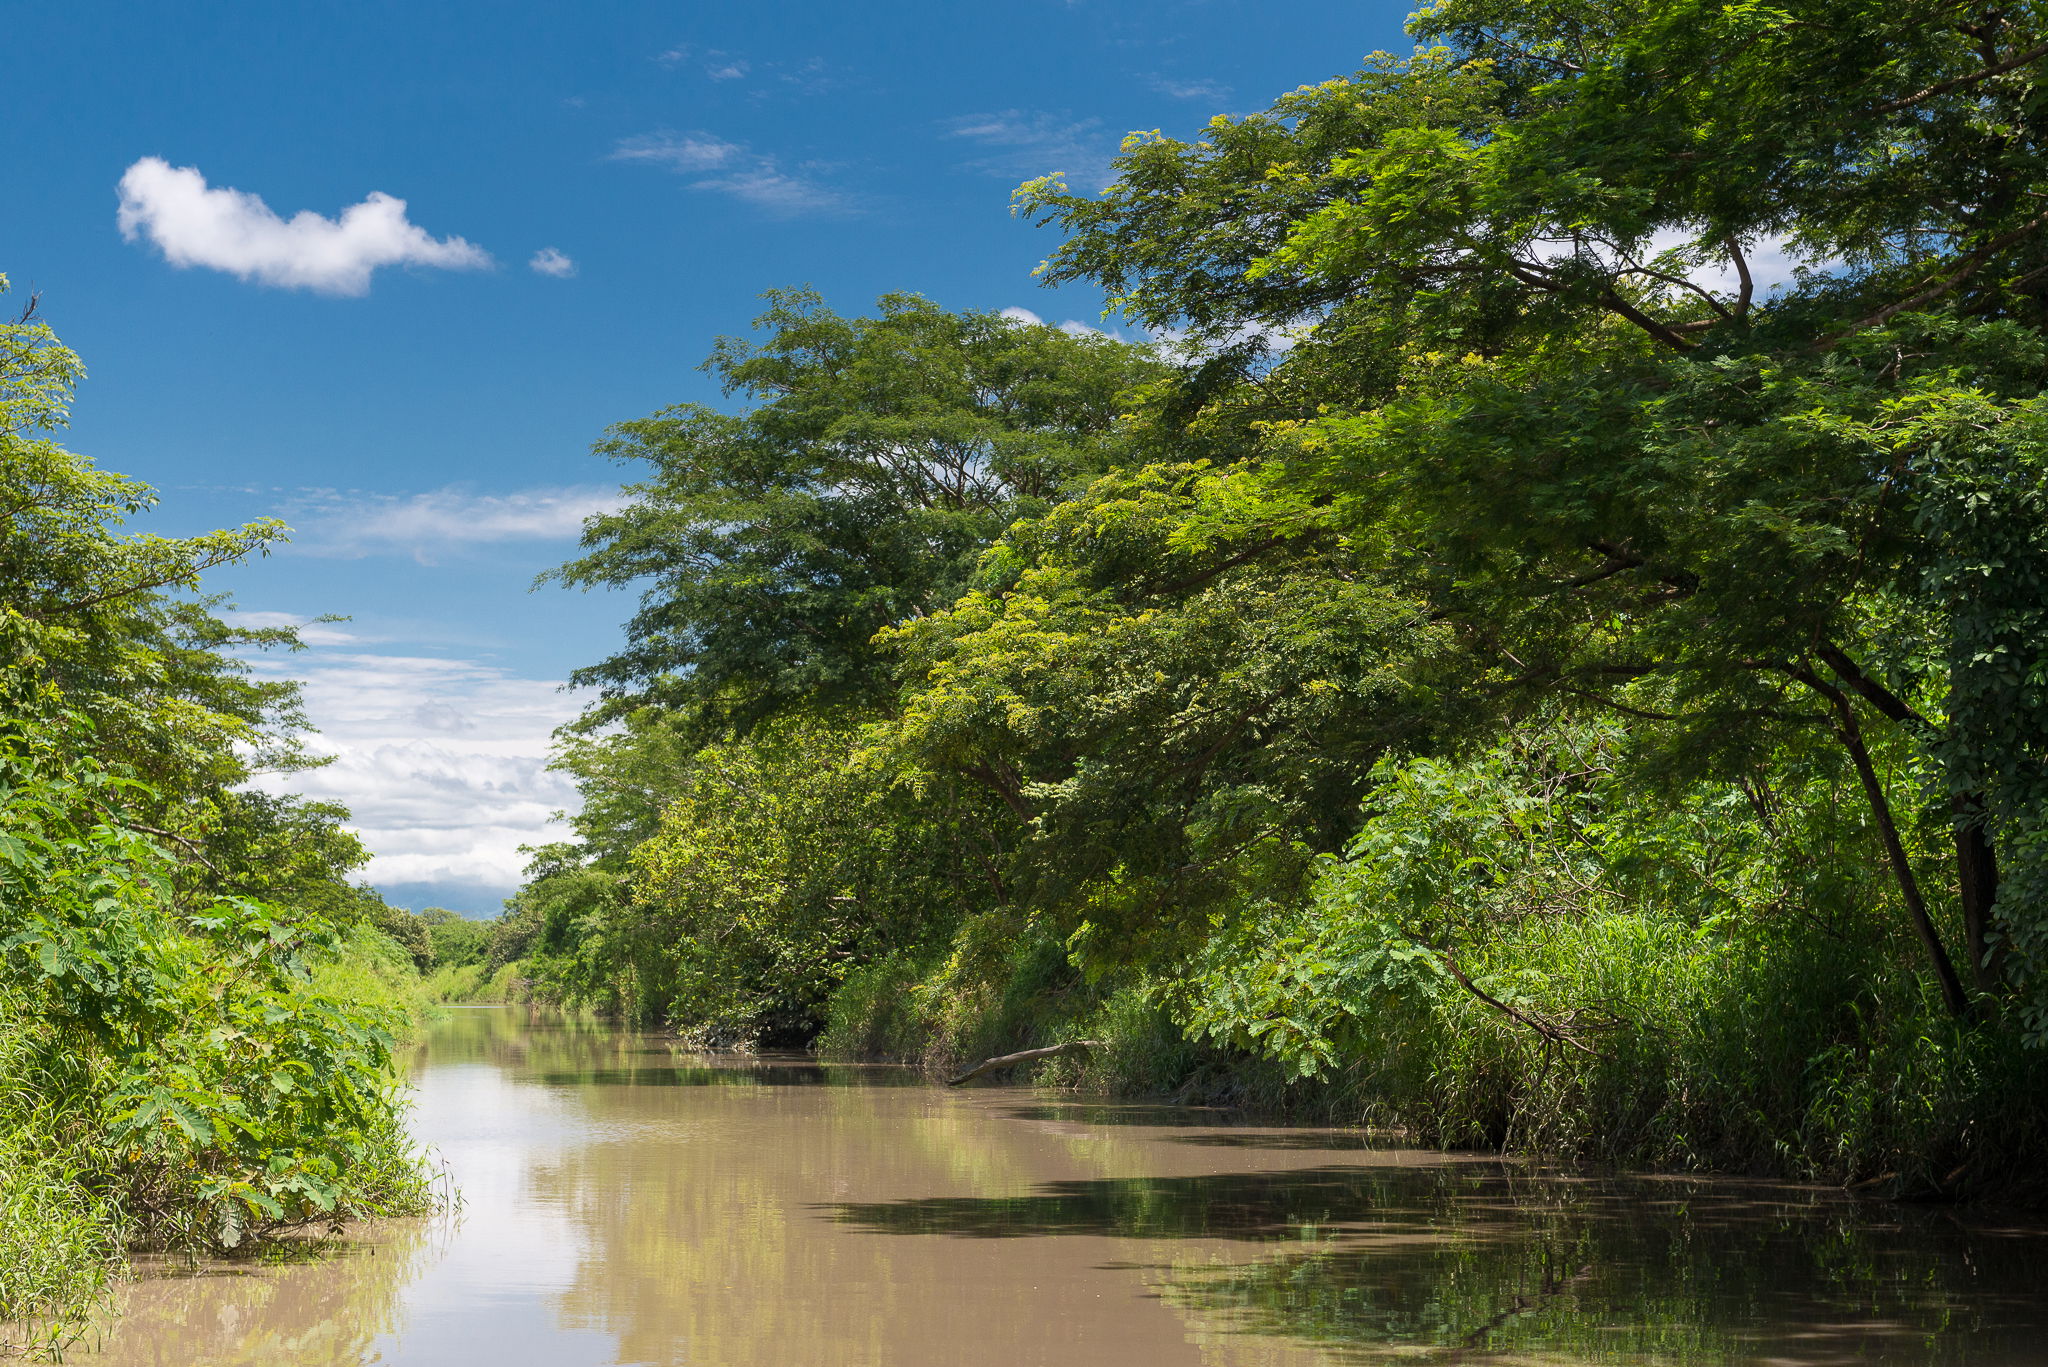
{"x":1507,"y":668}
{"x":197,"y":1012}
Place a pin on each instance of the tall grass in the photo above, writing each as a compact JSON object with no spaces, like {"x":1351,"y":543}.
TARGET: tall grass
{"x":60,"y":1239}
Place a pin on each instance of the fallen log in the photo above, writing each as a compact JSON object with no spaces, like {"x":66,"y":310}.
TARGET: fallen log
{"x":1022,"y":1056}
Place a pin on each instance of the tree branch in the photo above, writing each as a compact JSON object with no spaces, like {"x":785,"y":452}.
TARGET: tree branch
{"x":989,"y":1065}
{"x":1935,"y":289}
{"x":1943,"y":87}
{"x":1952,"y":993}
{"x":1880,"y":697}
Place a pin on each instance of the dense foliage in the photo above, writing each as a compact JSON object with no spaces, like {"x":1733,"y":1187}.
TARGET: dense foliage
{"x":1547,"y":649}
{"x":197,"y":1014}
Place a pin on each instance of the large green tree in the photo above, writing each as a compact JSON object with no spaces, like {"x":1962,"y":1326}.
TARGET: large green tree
{"x":1536,"y":353}
{"x":880,"y":456}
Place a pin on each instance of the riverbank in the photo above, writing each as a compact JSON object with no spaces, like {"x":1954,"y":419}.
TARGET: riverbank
{"x":1786,"y":1058}
{"x":249,"y":1143}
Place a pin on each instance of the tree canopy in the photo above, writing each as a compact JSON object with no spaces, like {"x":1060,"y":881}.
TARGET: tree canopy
{"x":880,"y":457}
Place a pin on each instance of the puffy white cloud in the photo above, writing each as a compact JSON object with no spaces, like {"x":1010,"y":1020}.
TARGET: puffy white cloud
{"x":441,"y":762}
{"x":733,"y":169}
{"x":1770,"y":259}
{"x":1025,"y":316}
{"x":1190,"y":346}
{"x":552,"y":261}
{"x":426,"y":525}
{"x":193,"y":224}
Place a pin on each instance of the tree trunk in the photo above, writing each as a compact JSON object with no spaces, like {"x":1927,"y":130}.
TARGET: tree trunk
{"x":1977,"y":875}
{"x":1953,"y":994}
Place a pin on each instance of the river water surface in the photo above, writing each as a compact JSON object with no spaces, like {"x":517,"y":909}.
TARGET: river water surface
{"x":627,"y":1203}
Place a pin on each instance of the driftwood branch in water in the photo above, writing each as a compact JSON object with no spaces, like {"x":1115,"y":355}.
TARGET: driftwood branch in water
{"x":989,"y":1065}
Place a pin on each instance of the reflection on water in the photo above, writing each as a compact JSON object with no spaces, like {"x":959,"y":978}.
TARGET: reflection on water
{"x":327,"y":1305}
{"x":628,"y":1203}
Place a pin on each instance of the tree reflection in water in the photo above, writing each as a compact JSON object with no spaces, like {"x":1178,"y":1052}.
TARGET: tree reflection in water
{"x":319,"y":1303}
{"x":1499,"y":1263}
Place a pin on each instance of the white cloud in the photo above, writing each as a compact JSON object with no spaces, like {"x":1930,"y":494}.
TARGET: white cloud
{"x":734,"y":169}
{"x":1189,"y":90}
{"x":312,"y":631}
{"x":552,"y":261}
{"x":811,"y":76}
{"x":1072,"y":327}
{"x":678,"y":151}
{"x":1770,"y":259}
{"x":1188,"y":346}
{"x":715,"y":63}
{"x":352,"y":525}
{"x":442,"y":763}
{"x":1677,"y":250}
{"x":229,"y":230}
{"x":1024,"y":144}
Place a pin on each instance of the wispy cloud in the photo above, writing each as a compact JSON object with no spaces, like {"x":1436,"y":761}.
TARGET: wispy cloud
{"x":229,"y":230}
{"x":734,"y":169}
{"x":552,"y":261}
{"x":429,"y":525}
{"x":1182,"y":89}
{"x":442,"y":762}
{"x":313,"y":631}
{"x":1024,"y":144}
{"x":716,"y":64}
{"x":679,"y":151}
{"x":811,"y":76}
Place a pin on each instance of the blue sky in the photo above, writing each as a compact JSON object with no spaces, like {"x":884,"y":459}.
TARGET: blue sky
{"x":591,"y":194}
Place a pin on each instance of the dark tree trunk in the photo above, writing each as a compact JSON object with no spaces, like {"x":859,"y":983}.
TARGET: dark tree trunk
{"x":1977,"y":876}
{"x":1953,"y":993}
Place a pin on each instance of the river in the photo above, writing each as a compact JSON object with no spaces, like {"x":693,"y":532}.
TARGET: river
{"x":624,"y":1202}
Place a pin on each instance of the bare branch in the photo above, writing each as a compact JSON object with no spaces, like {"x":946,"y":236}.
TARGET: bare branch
{"x":1742,"y":273}
{"x":1023,"y":1056}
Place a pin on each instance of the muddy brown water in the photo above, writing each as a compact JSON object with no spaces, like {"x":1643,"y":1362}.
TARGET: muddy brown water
{"x":626,"y":1203}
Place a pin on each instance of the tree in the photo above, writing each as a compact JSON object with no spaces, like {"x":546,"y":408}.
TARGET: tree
{"x":1537,"y":354}
{"x":179,"y":1063}
{"x":1177,"y":684}
{"x":110,"y":630}
{"x":882,"y":456}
